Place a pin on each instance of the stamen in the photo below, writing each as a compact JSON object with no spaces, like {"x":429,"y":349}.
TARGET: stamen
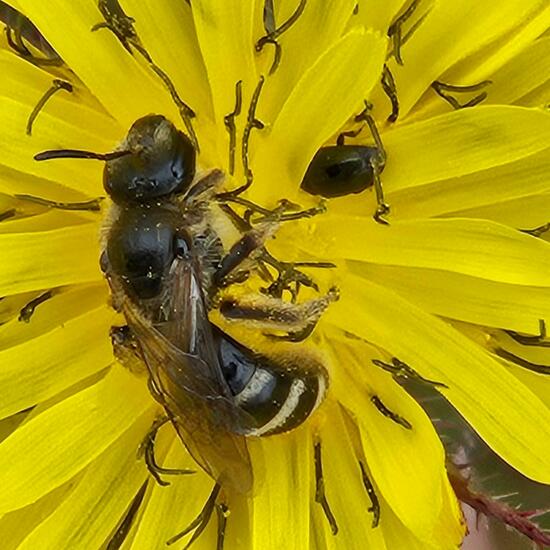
{"x":395,"y":30}
{"x":222,"y":512}
{"x":147,"y":449}
{"x":198,"y":525}
{"x":400,"y":369}
{"x":28,"y":310}
{"x":390,"y":89}
{"x":93,"y":205}
{"x":122,"y":531}
{"x":57,"y":85}
{"x":441,"y":88}
{"x":7,"y":214}
{"x":535,"y":367}
{"x":369,"y":487}
{"x":122,"y":26}
{"x":320,"y":496}
{"x":537,"y":340}
{"x":377,"y":402}
{"x":273,"y":32}
{"x":229,"y":121}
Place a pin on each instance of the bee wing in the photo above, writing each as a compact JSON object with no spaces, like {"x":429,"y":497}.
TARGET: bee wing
{"x":182,"y":360}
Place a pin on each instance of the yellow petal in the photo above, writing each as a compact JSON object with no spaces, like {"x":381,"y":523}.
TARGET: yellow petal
{"x":92,"y":511}
{"x":171,"y":509}
{"x":487,"y":187}
{"x":472,"y":247}
{"x":33,"y":261}
{"x":55,"y":445}
{"x":464,"y":298}
{"x":109,"y":72}
{"x":462,"y":142}
{"x":310,"y":115}
{"x":288,"y":463}
{"x":72,"y":351}
{"x":488,"y":397}
{"x":407,"y":485}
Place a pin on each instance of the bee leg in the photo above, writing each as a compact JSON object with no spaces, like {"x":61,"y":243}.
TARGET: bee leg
{"x":147,"y":451}
{"x":265,"y":312}
{"x":222,"y":511}
{"x":369,"y":488}
{"x":377,"y":162}
{"x":320,"y":496}
{"x":198,"y":525}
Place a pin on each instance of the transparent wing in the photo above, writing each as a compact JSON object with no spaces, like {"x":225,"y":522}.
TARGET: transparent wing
{"x":182,"y":360}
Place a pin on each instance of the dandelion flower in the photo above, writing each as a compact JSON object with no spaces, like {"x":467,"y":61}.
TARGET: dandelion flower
{"x":453,"y":290}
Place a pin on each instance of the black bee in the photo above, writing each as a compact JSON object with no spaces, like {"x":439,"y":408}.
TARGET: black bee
{"x":165,"y":264}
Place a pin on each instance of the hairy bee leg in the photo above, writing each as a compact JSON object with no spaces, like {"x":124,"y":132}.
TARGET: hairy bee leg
{"x":275,"y":314}
{"x":320,"y":496}
{"x":198,"y":525}
{"x":273,"y":32}
{"x":147,"y":451}
{"x":57,"y":85}
{"x":377,"y":402}
{"x":28,"y":310}
{"x":93,"y":205}
{"x":369,"y":488}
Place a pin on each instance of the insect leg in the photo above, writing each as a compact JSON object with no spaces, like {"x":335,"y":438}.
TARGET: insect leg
{"x":198,"y":525}
{"x":377,"y":402}
{"x":298,"y":320}
{"x":320,"y":496}
{"x":441,"y":90}
{"x":28,"y":310}
{"x":57,"y":85}
{"x":369,"y":487}
{"x":273,"y":32}
{"x":377,"y":162}
{"x":147,"y":450}
{"x":93,"y":205}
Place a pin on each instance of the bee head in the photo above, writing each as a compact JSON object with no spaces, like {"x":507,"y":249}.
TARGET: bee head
{"x":160,"y":161}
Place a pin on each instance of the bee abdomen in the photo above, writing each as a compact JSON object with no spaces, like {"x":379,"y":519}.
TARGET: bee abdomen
{"x":280,"y":401}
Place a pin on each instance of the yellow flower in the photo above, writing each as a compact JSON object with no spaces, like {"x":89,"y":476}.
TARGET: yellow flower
{"x":448,"y":288}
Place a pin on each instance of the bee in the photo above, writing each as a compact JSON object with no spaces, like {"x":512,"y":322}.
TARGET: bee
{"x":165,"y":265}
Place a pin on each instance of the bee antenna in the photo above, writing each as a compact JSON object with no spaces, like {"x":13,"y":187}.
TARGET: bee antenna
{"x":77,"y":154}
